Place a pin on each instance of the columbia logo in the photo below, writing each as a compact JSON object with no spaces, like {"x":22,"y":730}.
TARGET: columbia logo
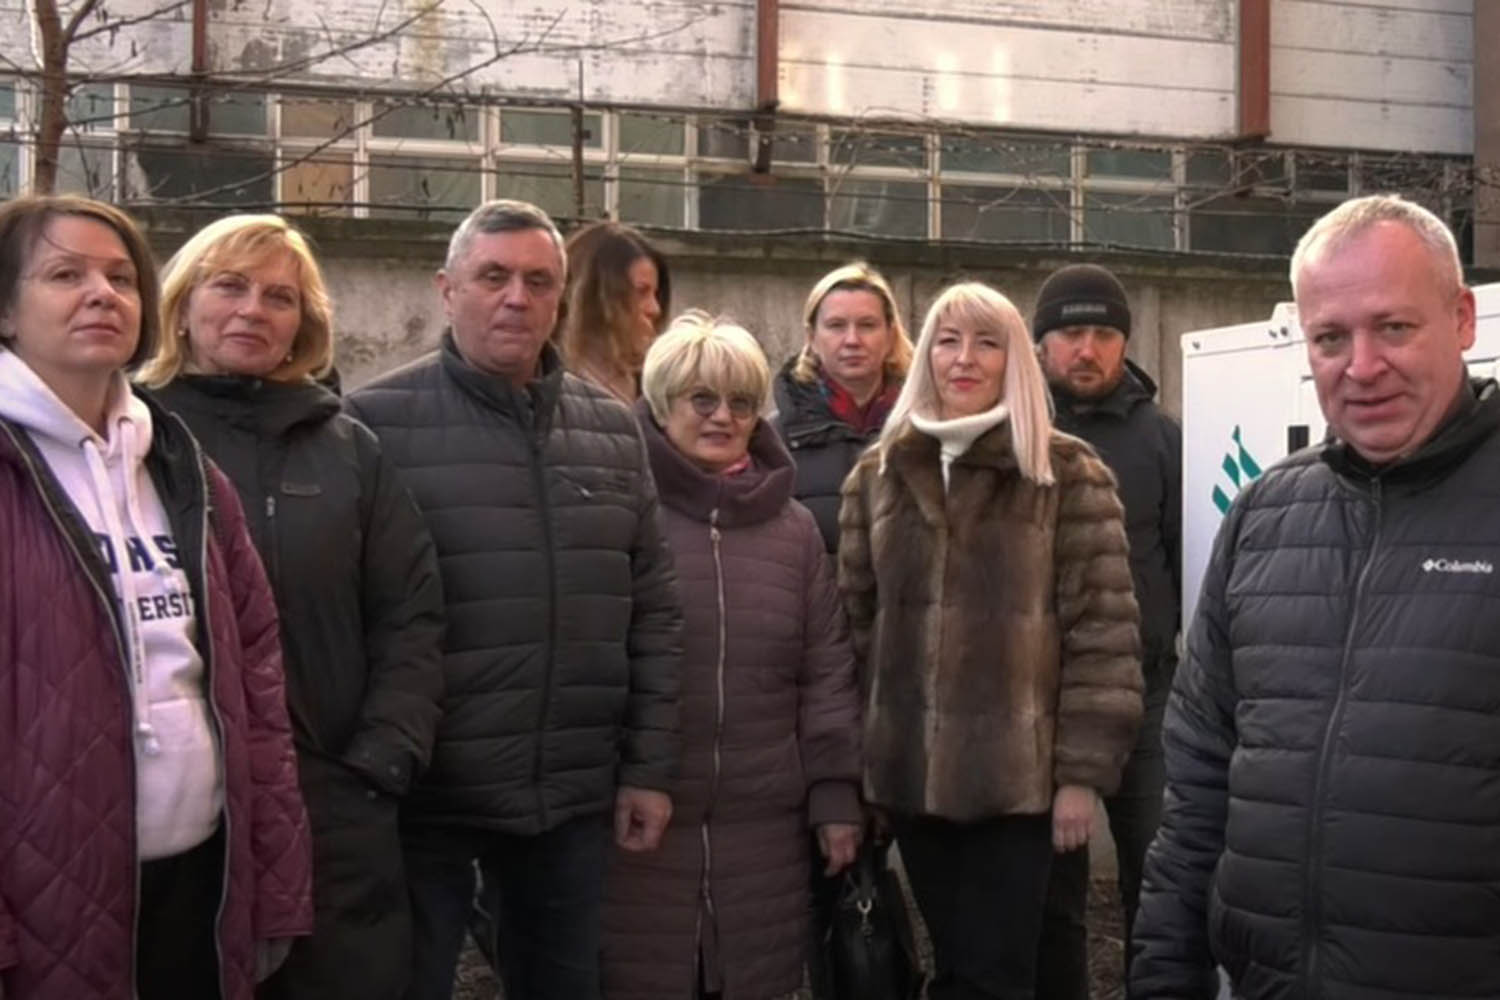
{"x":1455,"y":566}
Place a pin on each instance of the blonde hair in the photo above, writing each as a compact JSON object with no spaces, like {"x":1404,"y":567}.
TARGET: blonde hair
{"x":1024,"y":391}
{"x":1356,"y":215}
{"x":856,"y":276}
{"x":702,"y":350}
{"x":228,"y":242}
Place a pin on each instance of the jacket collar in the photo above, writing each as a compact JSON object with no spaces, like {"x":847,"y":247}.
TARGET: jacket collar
{"x":755,"y":495}
{"x":1134,"y":388}
{"x":1475,"y":420}
{"x":915,"y":458}
{"x":262,"y":405}
{"x":530,"y":407}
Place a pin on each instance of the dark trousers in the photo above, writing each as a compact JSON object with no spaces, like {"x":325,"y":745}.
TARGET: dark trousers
{"x":1134,"y":814}
{"x":981,"y":888}
{"x":544,"y":891}
{"x":176,"y":950}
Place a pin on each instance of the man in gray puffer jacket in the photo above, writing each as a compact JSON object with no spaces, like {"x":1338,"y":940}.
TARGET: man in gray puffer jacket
{"x":1332,"y":821}
{"x":561,"y":655}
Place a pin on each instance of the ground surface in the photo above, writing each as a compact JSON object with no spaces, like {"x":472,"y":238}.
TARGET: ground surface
{"x":475,"y":982}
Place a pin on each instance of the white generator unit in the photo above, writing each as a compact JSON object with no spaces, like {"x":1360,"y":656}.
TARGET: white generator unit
{"x":1247,"y":402}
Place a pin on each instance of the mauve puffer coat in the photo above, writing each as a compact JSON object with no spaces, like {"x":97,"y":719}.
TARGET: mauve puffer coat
{"x":770,"y":729}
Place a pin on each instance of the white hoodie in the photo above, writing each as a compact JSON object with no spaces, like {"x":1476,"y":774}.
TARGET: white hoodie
{"x":179,"y":779}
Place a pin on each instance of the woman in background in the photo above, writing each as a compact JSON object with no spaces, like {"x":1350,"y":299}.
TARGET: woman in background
{"x":619,"y":288}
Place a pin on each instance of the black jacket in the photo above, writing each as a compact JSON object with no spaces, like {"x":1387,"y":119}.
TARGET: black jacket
{"x":1332,"y":823}
{"x":355,"y":575}
{"x":1143,"y":448}
{"x":824,"y":447}
{"x":564,"y":626}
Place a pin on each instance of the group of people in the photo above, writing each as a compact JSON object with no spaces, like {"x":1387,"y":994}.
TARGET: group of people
{"x":633,"y":641}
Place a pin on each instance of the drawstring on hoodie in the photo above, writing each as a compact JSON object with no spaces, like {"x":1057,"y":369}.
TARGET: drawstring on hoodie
{"x":104,"y":494}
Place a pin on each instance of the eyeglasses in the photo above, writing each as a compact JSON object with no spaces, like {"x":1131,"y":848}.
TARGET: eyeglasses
{"x":706,"y":404}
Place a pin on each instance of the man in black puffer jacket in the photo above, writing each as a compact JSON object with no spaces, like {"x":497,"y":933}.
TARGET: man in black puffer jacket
{"x":1332,"y":821}
{"x":563,"y":639}
{"x":1082,"y":324}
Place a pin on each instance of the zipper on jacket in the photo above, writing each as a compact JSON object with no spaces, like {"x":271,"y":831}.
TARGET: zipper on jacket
{"x":205,"y":527}
{"x":1312,"y":876}
{"x":273,"y":556}
{"x":706,"y":882}
{"x":549,"y":644}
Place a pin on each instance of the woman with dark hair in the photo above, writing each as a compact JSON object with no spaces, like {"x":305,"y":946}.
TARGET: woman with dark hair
{"x":619,"y":288}
{"x":152,"y":840}
{"x":352,"y":565}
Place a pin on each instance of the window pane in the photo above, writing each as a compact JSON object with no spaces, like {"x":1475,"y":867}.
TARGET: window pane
{"x":1209,"y":168}
{"x":653,"y":196}
{"x":423,"y":187}
{"x":874,"y":149}
{"x":168,"y":109}
{"x":10,"y":155}
{"x":1249,"y":225}
{"x":650,"y":134}
{"x":211,"y":174}
{"x":795,"y":143}
{"x":885,"y":208}
{"x":548,"y":128}
{"x":1155,"y":164}
{"x":85,"y":170}
{"x":1128,"y":220}
{"x":1023,"y":215}
{"x":1320,"y":172}
{"x":999,"y":154}
{"x":549,"y":186}
{"x":92,"y":107}
{"x":320,"y":186}
{"x":737,"y":202}
{"x":416,"y":121}
{"x":7,"y":100}
{"x":314,"y":119}
{"x":724,"y":140}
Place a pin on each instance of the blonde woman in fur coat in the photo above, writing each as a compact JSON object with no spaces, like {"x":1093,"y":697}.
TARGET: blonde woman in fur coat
{"x":983,"y":563}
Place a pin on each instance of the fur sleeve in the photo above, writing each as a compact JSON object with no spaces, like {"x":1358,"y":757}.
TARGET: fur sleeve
{"x":856,"y":570}
{"x":1099,"y":698}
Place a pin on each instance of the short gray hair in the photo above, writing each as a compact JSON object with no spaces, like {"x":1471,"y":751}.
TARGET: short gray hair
{"x":503,"y":216}
{"x":1356,"y":215}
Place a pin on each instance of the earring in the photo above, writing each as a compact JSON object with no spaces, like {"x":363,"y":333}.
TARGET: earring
{"x":288,"y":359}
{"x":182,"y":332}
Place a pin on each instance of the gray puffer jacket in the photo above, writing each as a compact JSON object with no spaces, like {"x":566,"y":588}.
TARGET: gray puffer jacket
{"x":563,"y":638}
{"x":1332,"y":821}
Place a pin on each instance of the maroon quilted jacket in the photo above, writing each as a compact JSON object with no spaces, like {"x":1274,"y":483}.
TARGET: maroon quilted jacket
{"x":68,"y":857}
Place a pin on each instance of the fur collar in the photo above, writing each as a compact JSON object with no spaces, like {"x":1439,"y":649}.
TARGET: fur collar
{"x":915,"y":459}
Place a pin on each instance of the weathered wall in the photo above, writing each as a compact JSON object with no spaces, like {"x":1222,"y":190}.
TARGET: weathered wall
{"x":1487,"y":138}
{"x":388,"y":310}
{"x":1374,"y":74}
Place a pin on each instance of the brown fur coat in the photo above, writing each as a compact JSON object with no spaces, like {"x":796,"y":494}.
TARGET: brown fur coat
{"x":995,"y":627}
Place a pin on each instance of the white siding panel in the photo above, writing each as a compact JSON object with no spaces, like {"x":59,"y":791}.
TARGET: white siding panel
{"x":1400,"y":127}
{"x":1300,"y":73}
{"x":1001,"y":99}
{"x":1204,"y":20}
{"x":1351,"y":27}
{"x":1005,"y":75}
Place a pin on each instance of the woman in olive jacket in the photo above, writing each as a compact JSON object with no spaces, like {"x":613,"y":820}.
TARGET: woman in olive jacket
{"x":353,"y":568}
{"x":770,"y":721}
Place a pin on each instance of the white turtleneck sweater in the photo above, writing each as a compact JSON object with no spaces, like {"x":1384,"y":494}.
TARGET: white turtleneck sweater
{"x":957,"y":435}
{"x":179,"y":777}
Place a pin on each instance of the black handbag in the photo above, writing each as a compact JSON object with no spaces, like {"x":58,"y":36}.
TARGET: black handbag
{"x":870,"y":948}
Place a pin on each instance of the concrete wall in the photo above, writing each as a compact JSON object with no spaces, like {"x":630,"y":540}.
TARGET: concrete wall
{"x":388,"y":311}
{"x":1487,"y":138}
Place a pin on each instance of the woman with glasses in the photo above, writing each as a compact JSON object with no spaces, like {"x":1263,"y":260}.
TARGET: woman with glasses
{"x":769,"y":706}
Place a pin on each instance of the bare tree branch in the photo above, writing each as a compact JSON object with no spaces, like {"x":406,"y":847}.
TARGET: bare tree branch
{"x":126,"y":22}
{"x":84,"y":10}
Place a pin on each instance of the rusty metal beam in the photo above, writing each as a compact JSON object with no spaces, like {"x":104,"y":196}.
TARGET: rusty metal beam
{"x":767,"y":69}
{"x":1255,"y":69}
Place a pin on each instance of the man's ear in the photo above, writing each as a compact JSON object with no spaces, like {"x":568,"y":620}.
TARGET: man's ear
{"x":1466,"y":322}
{"x":444,"y":286}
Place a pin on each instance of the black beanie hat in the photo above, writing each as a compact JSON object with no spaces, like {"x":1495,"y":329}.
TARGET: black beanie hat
{"x":1080,"y":295}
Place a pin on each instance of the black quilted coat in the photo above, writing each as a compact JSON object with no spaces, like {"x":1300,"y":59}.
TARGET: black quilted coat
{"x":1332,"y":823}
{"x":563,"y":638}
